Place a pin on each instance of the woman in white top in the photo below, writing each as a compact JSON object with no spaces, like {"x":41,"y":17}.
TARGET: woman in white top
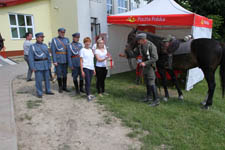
{"x":101,"y":55}
{"x":94,"y":47}
{"x":87,"y":66}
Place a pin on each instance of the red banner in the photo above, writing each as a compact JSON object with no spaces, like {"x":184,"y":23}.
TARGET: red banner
{"x":201,"y":21}
{"x":147,"y":28}
{"x":163,"y":20}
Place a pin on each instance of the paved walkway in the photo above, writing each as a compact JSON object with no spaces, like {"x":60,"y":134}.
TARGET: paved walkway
{"x":8,"y":139}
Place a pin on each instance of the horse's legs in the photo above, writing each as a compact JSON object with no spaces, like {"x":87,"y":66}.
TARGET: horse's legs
{"x":174,"y":80}
{"x":162,"y":73}
{"x":205,"y":100}
{"x":210,"y":78}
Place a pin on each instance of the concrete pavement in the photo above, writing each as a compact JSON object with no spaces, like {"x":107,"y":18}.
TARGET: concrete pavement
{"x":8,"y":137}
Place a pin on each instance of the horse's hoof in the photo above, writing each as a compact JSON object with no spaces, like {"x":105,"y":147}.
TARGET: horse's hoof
{"x":181,"y":97}
{"x":147,"y":99}
{"x":203,"y":103}
{"x":165,"y":99}
{"x":205,"y":107}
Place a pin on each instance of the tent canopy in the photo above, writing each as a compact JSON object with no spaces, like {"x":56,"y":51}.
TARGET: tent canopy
{"x":161,"y":13}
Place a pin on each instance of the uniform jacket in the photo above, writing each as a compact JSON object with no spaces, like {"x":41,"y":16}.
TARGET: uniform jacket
{"x":74,"y":50}
{"x":149,"y":54}
{"x":57,"y":46}
{"x":37,"y":53}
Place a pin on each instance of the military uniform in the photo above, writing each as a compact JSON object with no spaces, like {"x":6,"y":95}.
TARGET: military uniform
{"x":59,"y":55}
{"x":165,"y":65}
{"x":148,"y":51}
{"x":40,"y":62}
{"x":74,"y":62}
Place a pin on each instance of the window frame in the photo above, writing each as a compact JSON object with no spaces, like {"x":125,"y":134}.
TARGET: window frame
{"x":109,"y":5}
{"x":121,"y":7}
{"x":17,"y":26}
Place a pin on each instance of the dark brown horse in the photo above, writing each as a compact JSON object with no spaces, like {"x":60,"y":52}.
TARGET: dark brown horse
{"x":204,"y":53}
{"x":1,"y":42}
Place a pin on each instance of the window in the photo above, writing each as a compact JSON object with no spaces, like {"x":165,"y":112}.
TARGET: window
{"x":133,"y":5}
{"x":20,"y":24}
{"x":109,"y":7}
{"x":122,"y":6}
{"x":95,"y":28}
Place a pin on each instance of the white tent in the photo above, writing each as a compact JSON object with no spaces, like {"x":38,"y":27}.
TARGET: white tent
{"x":165,"y":17}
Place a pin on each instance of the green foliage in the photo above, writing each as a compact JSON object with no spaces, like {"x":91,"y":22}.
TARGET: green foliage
{"x":33,"y":104}
{"x":172,"y":125}
{"x":185,"y":4}
{"x":217,"y":24}
{"x":214,"y":9}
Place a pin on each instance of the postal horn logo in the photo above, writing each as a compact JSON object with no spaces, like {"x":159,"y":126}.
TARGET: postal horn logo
{"x":202,"y":22}
{"x":131,"y":19}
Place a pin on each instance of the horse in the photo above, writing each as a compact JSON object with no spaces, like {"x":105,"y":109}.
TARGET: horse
{"x":1,"y":42}
{"x":162,"y":68}
{"x":204,"y":53}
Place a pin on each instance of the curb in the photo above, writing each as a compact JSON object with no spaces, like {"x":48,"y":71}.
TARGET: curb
{"x":13,"y":111}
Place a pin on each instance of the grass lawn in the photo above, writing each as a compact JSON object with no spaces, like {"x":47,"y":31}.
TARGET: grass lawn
{"x":172,"y":125}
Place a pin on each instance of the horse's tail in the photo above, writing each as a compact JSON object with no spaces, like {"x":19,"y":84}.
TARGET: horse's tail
{"x":222,"y":69}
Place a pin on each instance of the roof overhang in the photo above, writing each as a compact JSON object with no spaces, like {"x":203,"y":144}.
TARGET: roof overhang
{"x":7,"y":3}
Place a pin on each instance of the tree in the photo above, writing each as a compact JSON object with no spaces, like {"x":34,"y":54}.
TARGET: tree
{"x":213,"y":9}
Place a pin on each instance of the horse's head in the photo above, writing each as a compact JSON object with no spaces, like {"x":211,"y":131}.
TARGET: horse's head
{"x":131,"y":40}
{"x":1,"y":42}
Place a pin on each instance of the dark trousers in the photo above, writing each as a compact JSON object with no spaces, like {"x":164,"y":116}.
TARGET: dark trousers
{"x":61,"y":70}
{"x":101,"y":73}
{"x":29,"y":73}
{"x":88,"y":77}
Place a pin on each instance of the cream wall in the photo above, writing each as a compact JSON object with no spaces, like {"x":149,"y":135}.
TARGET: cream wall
{"x":41,"y":13}
{"x":84,"y":19}
{"x":64,"y":14}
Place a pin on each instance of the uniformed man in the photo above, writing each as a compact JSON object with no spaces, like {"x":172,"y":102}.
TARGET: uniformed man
{"x":148,"y":51}
{"x":165,"y":64}
{"x":59,"y":53}
{"x":40,"y":63}
{"x":74,"y":61}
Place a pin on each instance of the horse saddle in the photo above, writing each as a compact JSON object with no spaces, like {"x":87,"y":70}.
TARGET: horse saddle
{"x":181,"y":47}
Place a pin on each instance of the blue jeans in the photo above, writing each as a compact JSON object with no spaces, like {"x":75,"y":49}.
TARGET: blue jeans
{"x":88,"y":76}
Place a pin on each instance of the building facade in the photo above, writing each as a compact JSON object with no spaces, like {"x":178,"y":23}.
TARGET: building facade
{"x":35,"y":16}
{"x":89,"y":17}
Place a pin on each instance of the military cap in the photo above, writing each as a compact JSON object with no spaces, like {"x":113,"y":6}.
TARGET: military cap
{"x":77,"y":34}
{"x":141,"y":36}
{"x":168,"y":38}
{"x":39,"y":34}
{"x":61,"y":29}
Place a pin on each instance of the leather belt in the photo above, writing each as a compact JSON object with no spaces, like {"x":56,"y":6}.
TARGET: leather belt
{"x":41,"y":59}
{"x":75,"y":56}
{"x":64,"y":53}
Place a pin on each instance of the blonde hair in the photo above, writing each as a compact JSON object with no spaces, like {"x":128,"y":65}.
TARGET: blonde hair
{"x":98,"y":41}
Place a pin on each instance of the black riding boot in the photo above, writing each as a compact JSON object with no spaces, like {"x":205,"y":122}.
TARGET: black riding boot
{"x":65,"y":85}
{"x":60,"y":85}
{"x":155,"y":96}
{"x":76,"y":86}
{"x":81,"y":86}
